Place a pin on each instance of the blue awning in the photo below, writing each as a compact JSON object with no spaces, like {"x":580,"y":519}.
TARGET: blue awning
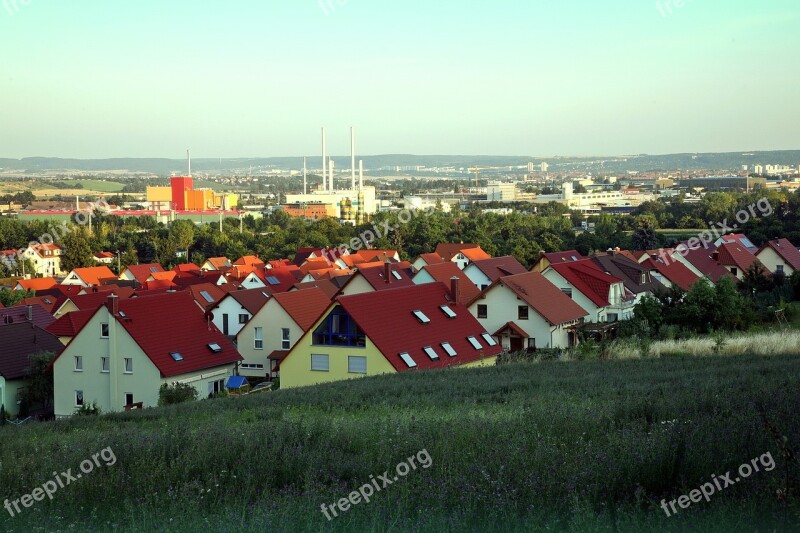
{"x":236,"y":382}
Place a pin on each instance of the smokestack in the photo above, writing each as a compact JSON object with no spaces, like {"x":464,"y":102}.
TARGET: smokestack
{"x":353,"y":157}
{"x":324,"y":162}
{"x":330,"y":175}
{"x":454,"y":281}
{"x":113,"y":304}
{"x":387,"y":272}
{"x":305,"y":185}
{"x":189,"y":161}
{"x":360,"y":175}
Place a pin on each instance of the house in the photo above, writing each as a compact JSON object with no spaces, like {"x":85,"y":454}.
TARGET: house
{"x":8,"y":258}
{"x":68,"y":325}
{"x":216,"y":263}
{"x":20,"y":341}
{"x":328,"y":286}
{"x":546,"y":259}
{"x":49,"y":303}
{"x":526,"y":311}
{"x":279,"y":279}
{"x":460,"y":253}
{"x":332,"y":254}
{"x":46,"y":259}
{"x":426,"y":259}
{"x":206,"y":295}
{"x":740,"y":239}
{"x":444,"y":273}
{"x":35,"y":284}
{"x":129,"y":348}
{"x":236,"y":308}
{"x":185,"y":270}
{"x":89,"y":301}
{"x":637,"y":278}
{"x":377,"y":278}
{"x":251,"y":261}
{"x":670,"y":273}
{"x":484,"y":272}
{"x":140,"y":273}
{"x":600,"y":294}
{"x":700,"y":261}
{"x":275,"y":328}
{"x":89,"y":276}
{"x":32,"y":314}
{"x":779,"y":255}
{"x":396,"y":330}
{"x":736,"y":259}
{"x":104,"y":258}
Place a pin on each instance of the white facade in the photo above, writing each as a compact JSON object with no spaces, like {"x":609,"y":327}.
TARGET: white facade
{"x":596,"y":314}
{"x":774,"y":262}
{"x":501,"y":192}
{"x":477,"y":277}
{"x":46,"y":259}
{"x":230,"y":316}
{"x":264,"y":334}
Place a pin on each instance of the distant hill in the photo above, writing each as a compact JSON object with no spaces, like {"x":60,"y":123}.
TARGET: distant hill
{"x":719,"y":161}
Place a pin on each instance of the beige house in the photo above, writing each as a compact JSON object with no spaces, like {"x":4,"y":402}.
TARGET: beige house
{"x":46,"y":259}
{"x":128,"y":349}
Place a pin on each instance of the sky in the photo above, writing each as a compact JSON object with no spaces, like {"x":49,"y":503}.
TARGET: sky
{"x":259,"y":78}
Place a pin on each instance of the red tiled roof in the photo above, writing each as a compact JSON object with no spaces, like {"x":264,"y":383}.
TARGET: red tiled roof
{"x":566,"y":256}
{"x":674,"y":271}
{"x":141,"y":272}
{"x":249,"y":260}
{"x":94,"y":275}
{"x":156,"y":284}
{"x":218,"y":262}
{"x":448,"y":251}
{"x":251,"y":299}
{"x":785,"y":250}
{"x":498,"y":267}
{"x":94,"y":300}
{"x":741,"y":239}
{"x":70,"y":324}
{"x":168,"y":275}
{"x":588,"y":279}
{"x":544,"y":297}
{"x":199,"y":291}
{"x":315,"y":263}
{"x":19,"y":341}
{"x":375,"y":276}
{"x":327,"y":286}
{"x":431,"y":259}
{"x":387,"y":320}
{"x":513,"y":328}
{"x":285,"y":276}
{"x":104,"y":255}
{"x":305,"y":306}
{"x":49,"y":303}
{"x":172,"y":322}
{"x":736,"y":255}
{"x":475,"y":254}
{"x":375,"y":255}
{"x":36,"y":284}
{"x":701,"y":258}
{"x":443,"y":272}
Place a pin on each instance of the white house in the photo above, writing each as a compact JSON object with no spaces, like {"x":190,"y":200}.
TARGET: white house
{"x":600,"y":294}
{"x":236,"y":309}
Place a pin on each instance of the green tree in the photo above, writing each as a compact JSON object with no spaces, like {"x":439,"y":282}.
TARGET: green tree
{"x":176,"y":393}
{"x":10,"y":297}
{"x":39,"y":393}
{"x":77,"y":252}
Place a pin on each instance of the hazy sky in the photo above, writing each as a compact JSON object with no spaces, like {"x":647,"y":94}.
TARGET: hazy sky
{"x":246,"y":78}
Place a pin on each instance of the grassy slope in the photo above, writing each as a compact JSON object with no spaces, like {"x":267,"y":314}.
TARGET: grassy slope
{"x":580,"y":446}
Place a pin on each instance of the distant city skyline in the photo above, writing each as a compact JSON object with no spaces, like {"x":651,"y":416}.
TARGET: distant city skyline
{"x":258,"y":79}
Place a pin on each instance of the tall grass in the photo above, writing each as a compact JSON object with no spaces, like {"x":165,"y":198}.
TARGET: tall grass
{"x":769,"y":343}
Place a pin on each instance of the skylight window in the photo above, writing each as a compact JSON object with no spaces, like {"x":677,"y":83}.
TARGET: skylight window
{"x":447,"y":311}
{"x":265,"y":294}
{"x":396,"y":275}
{"x":408,"y":360}
{"x":214,"y":347}
{"x":431,"y":353}
{"x":474,"y":342}
{"x":176,"y":356}
{"x":122,"y":314}
{"x":489,"y":339}
{"x":153,"y":269}
{"x":272,"y":280}
{"x":421,"y":316}
{"x":449,"y":349}
{"x":207,"y":296}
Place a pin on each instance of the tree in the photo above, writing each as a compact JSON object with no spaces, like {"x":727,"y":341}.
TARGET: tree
{"x":644,"y":237}
{"x":39,"y":392}
{"x":176,"y":393}
{"x":182,"y":234}
{"x":10,"y":297}
{"x":77,"y":252}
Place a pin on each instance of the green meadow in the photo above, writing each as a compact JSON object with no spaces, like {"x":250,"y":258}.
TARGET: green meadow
{"x":576,"y":446}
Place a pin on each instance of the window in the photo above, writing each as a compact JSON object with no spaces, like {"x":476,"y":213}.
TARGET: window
{"x":128,"y":365}
{"x":78,"y":363}
{"x":447,"y":311}
{"x":421,"y":317}
{"x":735,"y":271}
{"x":272,"y":280}
{"x":153,"y":269}
{"x":522,"y":312}
{"x":214,"y":347}
{"x":78,"y":398}
{"x":474,"y":342}
{"x":128,"y":398}
{"x":396,"y":274}
{"x":104,"y":331}
{"x":644,"y":278}
{"x":285,"y":339}
{"x":778,"y":268}
{"x":431,"y":353}
{"x":483,"y":311}
{"x":489,"y":339}
{"x":243,"y":318}
{"x":104,"y":364}
{"x":449,"y":349}
{"x":567,"y":291}
{"x":357,"y":364}
{"x":207,"y":296}
{"x":408,"y":360}
{"x":320,"y":362}
{"x":339,"y":329}
{"x":249,"y":366}
{"x":258,"y":336}
{"x":176,"y":356}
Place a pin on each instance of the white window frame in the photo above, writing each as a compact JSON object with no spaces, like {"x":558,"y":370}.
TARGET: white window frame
{"x":351,"y":358}
{"x":258,"y":338}
{"x":128,"y":361}
{"x":78,"y":363}
{"x":105,"y":326}
{"x":82,"y":400}
{"x":327,"y":360}
{"x":105,"y":365}
{"x":286,"y":339}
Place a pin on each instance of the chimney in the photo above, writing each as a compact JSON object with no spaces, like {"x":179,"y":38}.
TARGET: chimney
{"x":113,"y":304}
{"x":715,"y":255}
{"x":454,"y":281}
{"x":387,"y":272}
{"x":29,"y":313}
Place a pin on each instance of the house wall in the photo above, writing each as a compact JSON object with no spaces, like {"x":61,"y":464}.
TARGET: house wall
{"x":422,"y":277}
{"x":8,"y":394}
{"x":273,"y":318}
{"x":596,"y":314}
{"x":232,"y":308}
{"x":66,"y":307}
{"x":202,"y":381}
{"x":477,"y":277}
{"x":73,"y":279}
{"x":252,"y":282}
{"x":486,"y":361}
{"x":357,"y":285}
{"x":46,"y":266}
{"x":770,"y":259}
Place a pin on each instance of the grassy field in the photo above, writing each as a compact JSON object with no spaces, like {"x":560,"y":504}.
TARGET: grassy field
{"x":102,"y":185}
{"x":578,"y":446}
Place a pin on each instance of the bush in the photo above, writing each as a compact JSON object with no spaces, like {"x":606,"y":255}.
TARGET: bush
{"x":176,"y":393}
{"x":88,"y":410}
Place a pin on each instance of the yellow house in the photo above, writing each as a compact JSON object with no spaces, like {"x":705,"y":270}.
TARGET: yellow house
{"x":394,"y":330}
{"x":129,"y":348}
